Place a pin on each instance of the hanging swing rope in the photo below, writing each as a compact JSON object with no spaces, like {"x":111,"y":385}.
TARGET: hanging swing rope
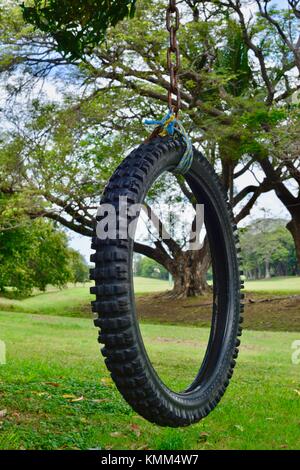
{"x":170,"y":124}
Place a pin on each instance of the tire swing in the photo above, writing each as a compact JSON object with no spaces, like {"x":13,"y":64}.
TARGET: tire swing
{"x":168,"y":149}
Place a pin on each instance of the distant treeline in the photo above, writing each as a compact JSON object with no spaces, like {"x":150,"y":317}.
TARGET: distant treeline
{"x":36,"y":255}
{"x":267,"y":246}
{"x":268,"y":249}
{"x":146,"y":267}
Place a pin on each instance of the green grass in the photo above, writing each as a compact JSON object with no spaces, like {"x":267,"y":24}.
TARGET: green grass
{"x":73,"y":300}
{"x":51,"y":359}
{"x":278,"y":285}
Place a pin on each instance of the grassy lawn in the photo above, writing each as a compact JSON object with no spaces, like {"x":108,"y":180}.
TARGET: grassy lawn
{"x":278,"y":285}
{"x":57,"y":393}
{"x":72,"y":301}
{"x":281,"y":314}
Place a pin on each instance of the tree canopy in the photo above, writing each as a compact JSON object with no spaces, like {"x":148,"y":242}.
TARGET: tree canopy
{"x":240,"y":86}
{"x":268,"y":249}
{"x":34,"y":256}
{"x":77,"y":25}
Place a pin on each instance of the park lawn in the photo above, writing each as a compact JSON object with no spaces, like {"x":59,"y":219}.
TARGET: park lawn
{"x":278,"y":285}
{"x":58,"y":394}
{"x":282,"y":313}
{"x":72,"y":301}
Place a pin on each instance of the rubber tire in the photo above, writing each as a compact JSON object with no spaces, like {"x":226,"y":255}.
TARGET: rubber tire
{"x":124,"y":350}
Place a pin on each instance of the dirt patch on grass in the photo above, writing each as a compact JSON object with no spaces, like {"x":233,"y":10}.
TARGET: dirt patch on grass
{"x":263,"y":311}
{"x":187,"y":342}
{"x":276,"y":314}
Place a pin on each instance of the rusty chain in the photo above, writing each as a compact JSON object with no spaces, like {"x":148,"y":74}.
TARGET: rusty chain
{"x":173,"y":57}
{"x":170,"y":124}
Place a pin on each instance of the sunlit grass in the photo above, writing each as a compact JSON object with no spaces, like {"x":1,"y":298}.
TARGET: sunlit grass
{"x":72,"y":300}
{"x":54,"y":360}
{"x":280,"y":285}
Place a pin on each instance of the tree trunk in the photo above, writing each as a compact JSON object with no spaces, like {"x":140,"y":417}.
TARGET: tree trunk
{"x":258,"y":273}
{"x":287,"y":198}
{"x":188,"y":268}
{"x":267,"y":268}
{"x":189,"y":272}
{"x":294,"y":227}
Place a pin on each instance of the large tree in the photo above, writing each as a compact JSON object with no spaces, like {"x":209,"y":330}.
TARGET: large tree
{"x":34,"y":255}
{"x":226,"y":108}
{"x":273,"y":39}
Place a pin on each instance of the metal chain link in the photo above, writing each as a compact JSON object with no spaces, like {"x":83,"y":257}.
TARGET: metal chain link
{"x":173,"y":57}
{"x":170,"y":124}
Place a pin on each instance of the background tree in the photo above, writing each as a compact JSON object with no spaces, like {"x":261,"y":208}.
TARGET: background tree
{"x":33,"y":256}
{"x":268,"y":249}
{"x":227,"y":108}
{"x":77,"y":26}
{"x":149,"y":268}
{"x":79,"y":267}
{"x":273,"y":39}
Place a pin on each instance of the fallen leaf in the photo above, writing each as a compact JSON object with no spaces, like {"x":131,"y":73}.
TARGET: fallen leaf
{"x":68,"y":395}
{"x":145,"y":447}
{"x":53,"y":384}
{"x":283,"y":446}
{"x":107,"y":381}
{"x":3,"y":413}
{"x":136,"y":429}
{"x":39,"y":394}
{"x":116,"y":434}
{"x":239,"y":427}
{"x":77,"y":399}
{"x":203,"y":437}
{"x":297,"y":391}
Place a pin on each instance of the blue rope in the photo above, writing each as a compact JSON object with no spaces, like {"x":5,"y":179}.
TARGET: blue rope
{"x":171,"y":125}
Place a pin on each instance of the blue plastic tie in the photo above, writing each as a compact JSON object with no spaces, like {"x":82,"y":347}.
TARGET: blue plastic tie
{"x":171,"y":125}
